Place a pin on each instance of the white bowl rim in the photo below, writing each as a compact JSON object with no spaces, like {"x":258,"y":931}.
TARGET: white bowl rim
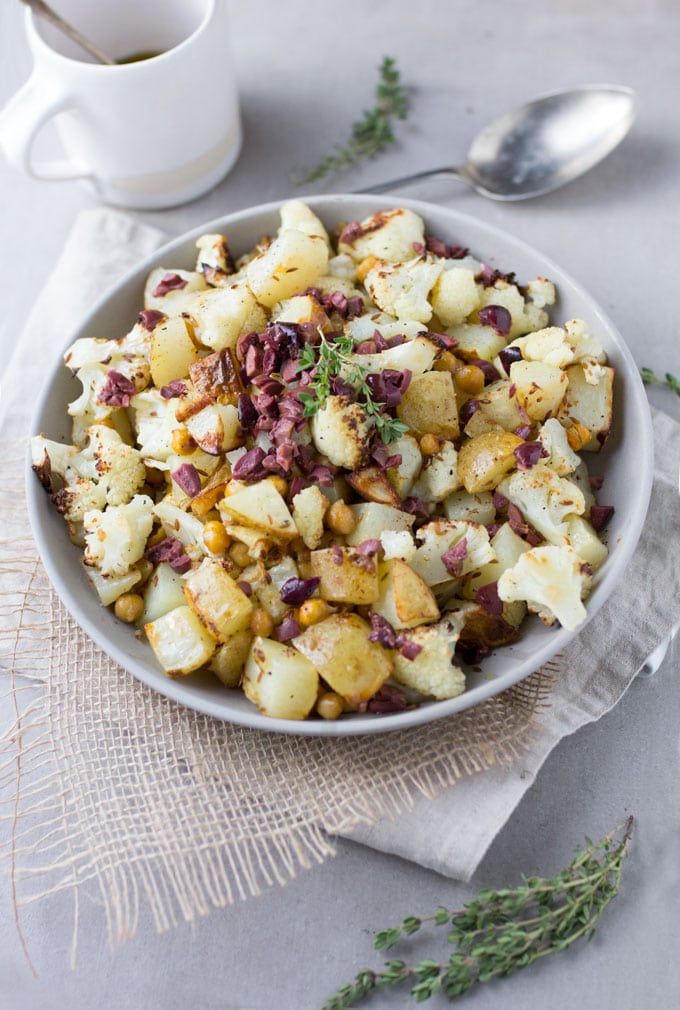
{"x":430,"y":711}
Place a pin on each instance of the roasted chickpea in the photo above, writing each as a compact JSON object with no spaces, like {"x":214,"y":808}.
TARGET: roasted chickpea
{"x":470,"y":379}
{"x":280,"y":484}
{"x":182,"y":442}
{"x":240,"y":554}
{"x":215,"y":537}
{"x":446,"y":362}
{"x":233,"y":486}
{"x":366,"y":264}
{"x":261,"y":623}
{"x":330,"y":705}
{"x":313,"y":611}
{"x":156,"y":537}
{"x":430,"y":444}
{"x":340,"y":518}
{"x":129,"y":607}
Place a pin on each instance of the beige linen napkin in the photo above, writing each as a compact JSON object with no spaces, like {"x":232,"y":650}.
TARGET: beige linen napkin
{"x":442,"y":812}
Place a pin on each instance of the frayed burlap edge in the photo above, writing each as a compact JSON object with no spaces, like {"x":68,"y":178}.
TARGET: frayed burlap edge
{"x":106,"y":784}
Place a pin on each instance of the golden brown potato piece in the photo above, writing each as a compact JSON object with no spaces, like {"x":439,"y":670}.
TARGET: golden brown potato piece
{"x":222,"y":607}
{"x":350,"y":664}
{"x":211,"y":492}
{"x":485,"y":460}
{"x":405,"y":598}
{"x":172,"y":351}
{"x":217,"y":376}
{"x":346,"y":575}
{"x":429,"y":405}
{"x":374,"y":485}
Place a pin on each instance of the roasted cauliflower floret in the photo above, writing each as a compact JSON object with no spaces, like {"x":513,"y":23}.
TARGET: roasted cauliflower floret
{"x":455,"y":295}
{"x":172,"y":291}
{"x":296,"y":214}
{"x":450,"y":549}
{"x":390,"y":235}
{"x":552,"y":580}
{"x":403,"y":289}
{"x":541,"y":292}
{"x":116,"y":538}
{"x":561,"y":345}
{"x":214,"y":260}
{"x":561,"y":458}
{"x":341,"y":431}
{"x":290,"y":264}
{"x":545,"y":500}
{"x":111,"y":371}
{"x":222,"y":314}
{"x":105,"y":472}
{"x":432,"y":672}
{"x":154,"y":421}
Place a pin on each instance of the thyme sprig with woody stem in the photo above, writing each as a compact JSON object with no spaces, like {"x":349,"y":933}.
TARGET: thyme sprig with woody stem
{"x":373,"y":132}
{"x":650,"y":378}
{"x":501,"y":931}
{"x":328,"y":360}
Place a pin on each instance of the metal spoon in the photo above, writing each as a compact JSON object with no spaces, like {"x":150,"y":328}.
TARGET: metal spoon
{"x":45,"y":11}
{"x":541,"y":145}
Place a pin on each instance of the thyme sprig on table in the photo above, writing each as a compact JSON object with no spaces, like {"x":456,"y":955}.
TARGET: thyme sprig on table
{"x":650,"y":378}
{"x":371,"y":134}
{"x":501,"y":931}
{"x":328,"y":360}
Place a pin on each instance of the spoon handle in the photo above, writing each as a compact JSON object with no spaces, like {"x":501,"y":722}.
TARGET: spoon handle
{"x":384,"y":187}
{"x":45,"y":11}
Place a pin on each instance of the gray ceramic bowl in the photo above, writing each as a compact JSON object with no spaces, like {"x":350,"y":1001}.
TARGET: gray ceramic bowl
{"x":626,"y":462}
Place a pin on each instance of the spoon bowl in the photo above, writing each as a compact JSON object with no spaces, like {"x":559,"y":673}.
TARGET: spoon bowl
{"x":542,"y":145}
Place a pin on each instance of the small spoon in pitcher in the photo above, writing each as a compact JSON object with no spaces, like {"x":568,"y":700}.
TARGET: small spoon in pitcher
{"x":45,"y":11}
{"x":542,"y":145}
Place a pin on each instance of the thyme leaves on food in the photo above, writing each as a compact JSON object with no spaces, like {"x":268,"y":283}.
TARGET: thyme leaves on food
{"x":500,"y":931}
{"x":333,"y":359}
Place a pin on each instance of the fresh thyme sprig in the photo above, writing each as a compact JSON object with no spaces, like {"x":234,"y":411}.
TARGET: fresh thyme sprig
{"x":501,"y":931}
{"x":649,"y":379}
{"x":371,"y":134}
{"x":328,"y":360}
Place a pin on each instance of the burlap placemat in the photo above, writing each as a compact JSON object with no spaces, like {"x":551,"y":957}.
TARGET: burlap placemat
{"x":106,"y":785}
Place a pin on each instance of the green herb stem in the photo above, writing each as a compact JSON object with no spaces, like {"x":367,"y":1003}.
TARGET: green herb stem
{"x":371,"y":134}
{"x":671,"y":381}
{"x":330,"y":360}
{"x":501,"y":931}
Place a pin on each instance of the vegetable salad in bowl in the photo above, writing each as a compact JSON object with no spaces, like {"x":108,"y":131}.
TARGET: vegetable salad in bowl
{"x":338,"y":471}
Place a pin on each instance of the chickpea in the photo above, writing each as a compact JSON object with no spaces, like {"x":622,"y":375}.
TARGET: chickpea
{"x":280,"y":484}
{"x":145,"y":569}
{"x":313,"y":611}
{"x":233,"y":486}
{"x":261,"y":623}
{"x":215,"y":537}
{"x":430,"y":444}
{"x":182,"y":442}
{"x":157,"y":536}
{"x":240,"y":554}
{"x":129,"y":607}
{"x":330,"y":705}
{"x":340,"y":518}
{"x":470,"y":379}
{"x":366,"y":264}
{"x":446,"y":362}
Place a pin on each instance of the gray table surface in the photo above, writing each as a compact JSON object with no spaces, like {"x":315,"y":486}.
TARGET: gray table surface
{"x":305,"y":70}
